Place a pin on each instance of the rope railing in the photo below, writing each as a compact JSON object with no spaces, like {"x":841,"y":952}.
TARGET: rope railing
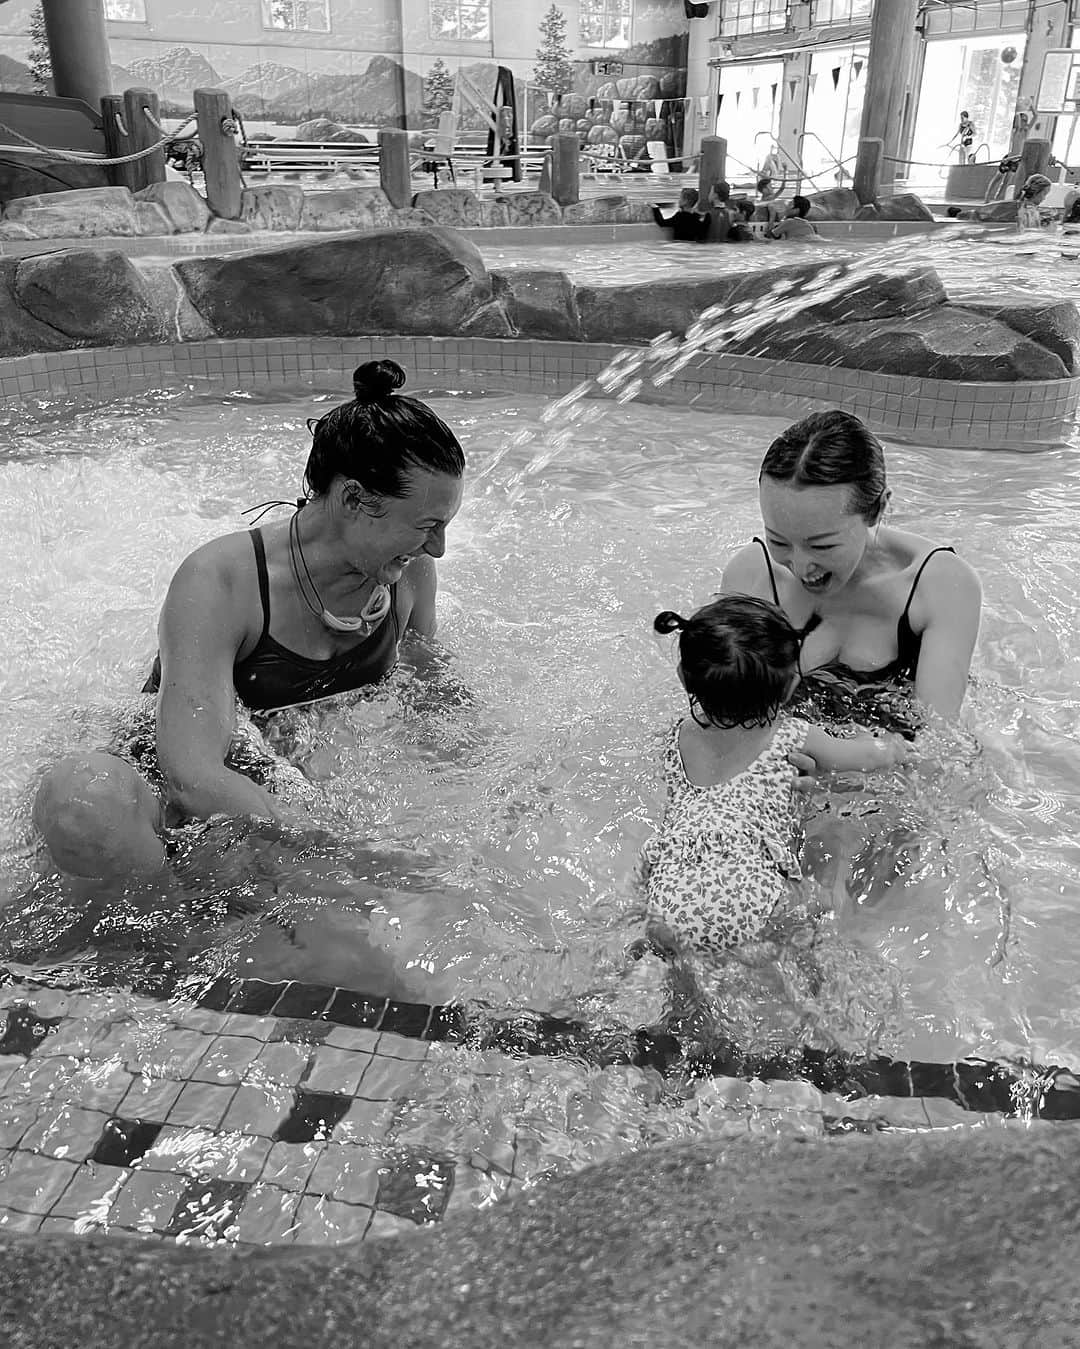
{"x":30,"y":147}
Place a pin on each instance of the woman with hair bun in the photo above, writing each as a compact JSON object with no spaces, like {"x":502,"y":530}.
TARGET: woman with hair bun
{"x":281,"y":615}
{"x":894,"y":610}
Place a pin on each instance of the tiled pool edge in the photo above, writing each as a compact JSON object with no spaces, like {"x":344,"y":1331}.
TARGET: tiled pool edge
{"x":950,"y":414}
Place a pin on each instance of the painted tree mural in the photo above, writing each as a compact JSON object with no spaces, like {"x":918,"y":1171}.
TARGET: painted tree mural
{"x":554,"y":69}
{"x":438,"y":91}
{"x":37,"y":56}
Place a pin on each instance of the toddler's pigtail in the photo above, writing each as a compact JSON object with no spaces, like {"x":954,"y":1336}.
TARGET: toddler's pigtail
{"x":814,"y":621}
{"x":669,"y":621}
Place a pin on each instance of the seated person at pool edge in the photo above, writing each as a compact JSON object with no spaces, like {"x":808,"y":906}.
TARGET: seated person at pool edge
{"x":893,"y":606}
{"x":795,"y":224}
{"x":280,"y":615}
{"x":688,"y":224}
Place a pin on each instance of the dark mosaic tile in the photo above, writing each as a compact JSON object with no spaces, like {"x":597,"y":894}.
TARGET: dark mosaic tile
{"x":303,"y":1000}
{"x":934,"y":1079}
{"x":256,"y":997}
{"x":407,"y":1018}
{"x":124,"y":1141}
{"x":24,"y":1030}
{"x":356,"y":1009}
{"x":416,"y":1186}
{"x":215,"y":997}
{"x":448,"y":1023}
{"x":301,"y":1032}
{"x":879,"y":1077}
{"x":984,"y":1086}
{"x":314,"y":1115}
{"x":207,"y":1208}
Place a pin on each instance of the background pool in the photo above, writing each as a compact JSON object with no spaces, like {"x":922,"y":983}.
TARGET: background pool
{"x":511,"y":811}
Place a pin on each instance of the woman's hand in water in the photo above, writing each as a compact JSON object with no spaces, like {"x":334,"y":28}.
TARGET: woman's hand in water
{"x":806,"y":770}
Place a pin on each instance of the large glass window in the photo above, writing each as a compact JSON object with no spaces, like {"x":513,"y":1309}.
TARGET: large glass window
{"x":748,"y":115}
{"x":977,"y":75}
{"x":605,"y":23}
{"x":461,"y":20}
{"x":297,"y":16}
{"x":126,"y":11}
{"x":840,"y":11}
{"x":739,"y":18}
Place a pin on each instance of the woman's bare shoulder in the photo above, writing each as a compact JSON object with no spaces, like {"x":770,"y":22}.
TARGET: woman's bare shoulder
{"x":745,"y":571}
{"x":218,"y":564}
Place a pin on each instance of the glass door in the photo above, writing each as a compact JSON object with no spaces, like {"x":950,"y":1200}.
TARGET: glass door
{"x":748,"y":114}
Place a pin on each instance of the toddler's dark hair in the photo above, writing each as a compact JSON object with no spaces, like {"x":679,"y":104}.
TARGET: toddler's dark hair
{"x":738,"y":655}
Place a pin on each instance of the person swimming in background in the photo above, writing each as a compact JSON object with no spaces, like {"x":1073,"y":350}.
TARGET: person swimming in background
{"x":688,"y":224}
{"x":1032,"y":195}
{"x":795,"y":224}
{"x":742,"y":214}
{"x":723,"y":861}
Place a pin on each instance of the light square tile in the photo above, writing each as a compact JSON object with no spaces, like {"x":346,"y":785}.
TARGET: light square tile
{"x":325,"y":1222}
{"x":227,"y":1060}
{"x":150,"y":1098}
{"x":288,"y":1165}
{"x":68,"y":1132}
{"x":258,"y":1110}
{"x":336,"y":1070}
{"x":32,"y":1182}
{"x":147,"y":1200}
{"x":201,"y":1103}
{"x":268,"y":1217}
{"x":346,"y":1172}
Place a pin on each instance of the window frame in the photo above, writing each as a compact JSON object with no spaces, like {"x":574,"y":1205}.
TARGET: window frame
{"x":450,"y":37}
{"x":744,"y":25}
{"x":849,"y":18}
{"x":621,"y":9}
{"x":113,"y":18}
{"x":266,"y":6}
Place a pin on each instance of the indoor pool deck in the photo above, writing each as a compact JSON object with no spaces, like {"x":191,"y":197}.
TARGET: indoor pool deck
{"x":947,"y":413}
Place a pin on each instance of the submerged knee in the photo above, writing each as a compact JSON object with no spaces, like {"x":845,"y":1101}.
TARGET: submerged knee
{"x":98,"y":817}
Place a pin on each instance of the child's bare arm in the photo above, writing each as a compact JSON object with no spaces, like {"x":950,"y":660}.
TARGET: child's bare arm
{"x":863,"y":752}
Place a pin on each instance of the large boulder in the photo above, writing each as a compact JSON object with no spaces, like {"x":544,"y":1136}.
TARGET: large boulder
{"x":347,"y":208}
{"x":91,"y":212}
{"x":423,"y":281}
{"x":780,"y":299}
{"x":948,"y":343}
{"x":177,"y":318}
{"x":538,"y":303}
{"x":1053,"y":324}
{"x":532,"y":208}
{"x":838,"y":203}
{"x":184,"y":206}
{"x":20,"y":332}
{"x":150,"y":219}
{"x":93,"y":296}
{"x":597,"y":211}
{"x":904,"y":206}
{"x":316,"y":129}
{"x":455,"y":206}
{"x":272,"y":206}
{"x":346,"y":135}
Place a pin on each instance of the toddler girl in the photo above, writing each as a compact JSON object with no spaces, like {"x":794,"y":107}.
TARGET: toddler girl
{"x":723,"y":859}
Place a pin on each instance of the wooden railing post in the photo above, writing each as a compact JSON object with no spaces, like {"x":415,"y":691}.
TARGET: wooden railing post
{"x":118,"y":142}
{"x":566,"y":170}
{"x":222,"y":180}
{"x":394,"y":172}
{"x":713,"y":167}
{"x":143,"y":133}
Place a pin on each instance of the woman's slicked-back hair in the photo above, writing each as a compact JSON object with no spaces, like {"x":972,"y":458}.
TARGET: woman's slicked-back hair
{"x":737,"y":655}
{"x":378,"y":437}
{"x":829,"y":449}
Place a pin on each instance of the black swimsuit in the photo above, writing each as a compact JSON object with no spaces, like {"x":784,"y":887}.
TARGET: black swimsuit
{"x":272,"y":677}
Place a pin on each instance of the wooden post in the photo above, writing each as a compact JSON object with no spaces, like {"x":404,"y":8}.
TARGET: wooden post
{"x":712,"y":168}
{"x":222,"y":182}
{"x":394,"y":172}
{"x":566,"y":170}
{"x":117,"y":142}
{"x":888,"y":70}
{"x":78,"y":49}
{"x":868,"y":169}
{"x":141,"y":133}
{"x":1034,"y":158}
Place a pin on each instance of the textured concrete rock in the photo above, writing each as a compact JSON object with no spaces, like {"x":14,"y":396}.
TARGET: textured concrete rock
{"x":316,"y":129}
{"x":30,"y":176}
{"x":428,"y":280}
{"x":347,"y":208}
{"x":539,"y":303}
{"x":150,"y":219}
{"x":184,"y":206}
{"x":91,"y":295}
{"x":455,"y":206}
{"x":904,"y":206}
{"x":597,"y":211}
{"x":88,"y":213}
{"x":996,"y":212}
{"x":177,"y":319}
{"x":14,"y":229}
{"x":947,"y":343}
{"x":877,"y":296}
{"x":1055,"y":325}
{"x":533,"y":208}
{"x":868,"y":212}
{"x":961,"y":1241}
{"x":20,"y":332}
{"x":838,"y":203}
{"x":272,"y":206}
{"x":638,"y":212}
{"x":490,"y":321}
{"x":494,"y":212}
{"x":218,"y":225}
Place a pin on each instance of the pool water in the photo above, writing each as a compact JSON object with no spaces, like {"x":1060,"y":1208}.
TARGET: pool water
{"x":495,"y":817}
{"x":968,"y":259}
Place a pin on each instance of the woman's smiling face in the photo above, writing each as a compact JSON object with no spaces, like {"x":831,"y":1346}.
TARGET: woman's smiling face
{"x":813,"y":532}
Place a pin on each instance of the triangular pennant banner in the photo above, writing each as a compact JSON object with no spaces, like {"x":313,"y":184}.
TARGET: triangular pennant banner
{"x":774,"y":89}
{"x":857,"y":67}
{"x":836,"y":77}
{"x":719,"y":102}
{"x":738,"y":97}
{"x":792,"y":86}
{"x":754,"y":95}
{"x":813,"y":83}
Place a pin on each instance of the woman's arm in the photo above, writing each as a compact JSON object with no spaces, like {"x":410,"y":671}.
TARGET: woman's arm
{"x":420,"y":585}
{"x":952,"y":602}
{"x":199,"y":633}
{"x":863,"y":752}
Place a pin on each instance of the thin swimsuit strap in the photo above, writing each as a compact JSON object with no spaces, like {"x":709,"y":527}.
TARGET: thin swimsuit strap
{"x":772,"y":575}
{"x":264,"y":580}
{"x":944,"y":548}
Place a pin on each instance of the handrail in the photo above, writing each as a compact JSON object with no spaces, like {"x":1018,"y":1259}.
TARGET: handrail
{"x":838,"y":162}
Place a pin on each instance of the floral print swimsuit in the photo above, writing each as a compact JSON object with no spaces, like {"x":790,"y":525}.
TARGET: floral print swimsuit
{"x":724,"y":856}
